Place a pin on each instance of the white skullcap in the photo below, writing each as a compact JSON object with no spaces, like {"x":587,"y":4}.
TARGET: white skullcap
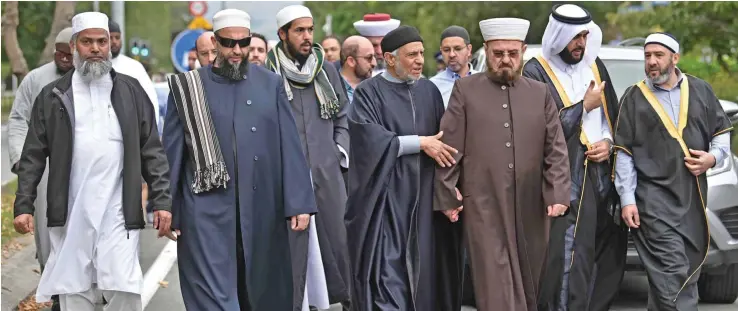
{"x":89,"y":20}
{"x":64,"y":36}
{"x":290,"y":13}
{"x":376,"y":25}
{"x":504,"y":29}
{"x":231,"y":18}
{"x":664,"y":39}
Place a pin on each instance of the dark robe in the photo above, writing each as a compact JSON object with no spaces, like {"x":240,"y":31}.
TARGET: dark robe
{"x":673,"y":238}
{"x":403,"y":255}
{"x":270,"y":182}
{"x":596,"y":242}
{"x":320,"y":139}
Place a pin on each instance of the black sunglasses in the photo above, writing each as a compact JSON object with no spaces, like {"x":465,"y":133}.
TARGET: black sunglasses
{"x":230,"y":43}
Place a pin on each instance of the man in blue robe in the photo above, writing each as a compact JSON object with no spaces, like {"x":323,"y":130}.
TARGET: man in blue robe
{"x":239,"y":179}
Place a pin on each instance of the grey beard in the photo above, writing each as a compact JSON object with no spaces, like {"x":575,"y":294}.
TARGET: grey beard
{"x":233,"y":72}
{"x":92,"y":70}
{"x":662,"y":78}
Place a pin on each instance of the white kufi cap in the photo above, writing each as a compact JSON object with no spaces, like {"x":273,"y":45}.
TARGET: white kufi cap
{"x":504,"y":29}
{"x":664,"y":39}
{"x":64,"y":36}
{"x":292,"y":12}
{"x":89,"y":20}
{"x":376,"y":25}
{"x":231,"y":18}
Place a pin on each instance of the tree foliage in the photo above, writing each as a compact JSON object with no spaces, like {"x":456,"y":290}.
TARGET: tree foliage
{"x":432,"y":17}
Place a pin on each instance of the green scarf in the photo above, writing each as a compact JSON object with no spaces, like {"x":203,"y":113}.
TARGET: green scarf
{"x":278,"y":62}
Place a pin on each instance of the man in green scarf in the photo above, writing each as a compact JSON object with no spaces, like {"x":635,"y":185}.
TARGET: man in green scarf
{"x":319,"y":104}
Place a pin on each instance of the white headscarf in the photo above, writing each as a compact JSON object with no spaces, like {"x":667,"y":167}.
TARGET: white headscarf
{"x":558,"y":35}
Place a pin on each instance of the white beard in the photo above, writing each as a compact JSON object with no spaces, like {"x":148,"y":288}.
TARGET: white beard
{"x":92,"y":70}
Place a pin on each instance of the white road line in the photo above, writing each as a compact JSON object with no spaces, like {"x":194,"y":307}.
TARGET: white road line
{"x":158,"y":271}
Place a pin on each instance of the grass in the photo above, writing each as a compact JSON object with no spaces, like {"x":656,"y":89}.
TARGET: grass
{"x":8,"y":196}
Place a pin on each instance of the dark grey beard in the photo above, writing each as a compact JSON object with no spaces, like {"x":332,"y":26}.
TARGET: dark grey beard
{"x":663,"y":76}
{"x":92,"y":70}
{"x":233,"y":72}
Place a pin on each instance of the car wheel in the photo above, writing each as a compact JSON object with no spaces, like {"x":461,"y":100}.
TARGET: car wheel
{"x":719,"y":288}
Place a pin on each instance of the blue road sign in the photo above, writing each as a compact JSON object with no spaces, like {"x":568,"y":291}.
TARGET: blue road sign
{"x":182,"y":45}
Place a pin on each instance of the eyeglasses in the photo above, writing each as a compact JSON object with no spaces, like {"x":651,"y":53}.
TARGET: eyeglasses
{"x":368,"y":58}
{"x":230,"y":43}
{"x":501,"y":54}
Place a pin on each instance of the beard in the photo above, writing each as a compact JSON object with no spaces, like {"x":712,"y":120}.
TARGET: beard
{"x":233,"y":72}
{"x":568,"y":58}
{"x":381,"y":64}
{"x":505,"y":74}
{"x":664,"y":73}
{"x":115,"y":52}
{"x":299,"y":57}
{"x":92,"y":70}
{"x":402,"y":72}
{"x":362,"y":74}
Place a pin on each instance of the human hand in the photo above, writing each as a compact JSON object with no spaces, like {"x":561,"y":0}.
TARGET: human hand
{"x":600,"y":151}
{"x":556,"y":210}
{"x":629,"y":214}
{"x":23,"y":223}
{"x":453,"y":214}
{"x":592,"y":99}
{"x":436,"y":149}
{"x":300,"y":222}
{"x":163,"y":223}
{"x":699,"y":165}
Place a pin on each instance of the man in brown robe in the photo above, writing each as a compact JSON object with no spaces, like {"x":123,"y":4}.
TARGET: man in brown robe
{"x":512,"y":170}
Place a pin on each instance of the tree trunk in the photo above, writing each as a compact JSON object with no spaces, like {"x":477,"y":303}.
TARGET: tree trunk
{"x":10,"y":21}
{"x":63,"y":13}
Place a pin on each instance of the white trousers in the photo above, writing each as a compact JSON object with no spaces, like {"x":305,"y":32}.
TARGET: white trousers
{"x":85,"y":301}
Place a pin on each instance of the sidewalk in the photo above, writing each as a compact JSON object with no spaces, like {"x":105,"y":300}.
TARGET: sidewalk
{"x":20,"y":274}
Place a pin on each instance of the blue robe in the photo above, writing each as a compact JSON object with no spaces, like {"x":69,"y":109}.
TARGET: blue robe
{"x":271,"y":178}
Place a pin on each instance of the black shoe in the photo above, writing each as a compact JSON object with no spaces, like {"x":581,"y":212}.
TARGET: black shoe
{"x":55,"y":306}
{"x":313,"y":308}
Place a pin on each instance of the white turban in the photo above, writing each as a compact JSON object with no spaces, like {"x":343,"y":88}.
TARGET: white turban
{"x":89,"y":20}
{"x":504,"y":29}
{"x":664,"y":39}
{"x":231,"y":18}
{"x":64,"y":36}
{"x":290,"y":13}
{"x":376,"y":25}
{"x":565,"y":23}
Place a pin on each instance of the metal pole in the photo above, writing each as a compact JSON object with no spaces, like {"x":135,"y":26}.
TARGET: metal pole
{"x":96,"y":6}
{"x":118,"y":12}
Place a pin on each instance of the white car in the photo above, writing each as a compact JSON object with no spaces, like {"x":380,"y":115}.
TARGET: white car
{"x":718,"y":282}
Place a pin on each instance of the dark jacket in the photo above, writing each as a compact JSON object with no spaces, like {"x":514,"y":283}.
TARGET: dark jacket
{"x":51,"y":134}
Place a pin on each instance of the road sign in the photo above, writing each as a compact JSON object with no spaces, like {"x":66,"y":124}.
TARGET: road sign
{"x":181,"y":46}
{"x":200,"y":23}
{"x":198,"y":8}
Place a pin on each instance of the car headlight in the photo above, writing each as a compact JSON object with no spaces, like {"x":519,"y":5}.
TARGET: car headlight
{"x":725,"y":166}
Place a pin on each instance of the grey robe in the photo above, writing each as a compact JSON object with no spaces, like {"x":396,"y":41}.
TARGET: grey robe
{"x":319,"y":139}
{"x":20,"y":117}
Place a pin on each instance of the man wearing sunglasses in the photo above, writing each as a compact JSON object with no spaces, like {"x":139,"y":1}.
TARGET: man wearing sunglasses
{"x":20,"y":115}
{"x":319,"y":105}
{"x":240,"y":182}
{"x":357,"y":62}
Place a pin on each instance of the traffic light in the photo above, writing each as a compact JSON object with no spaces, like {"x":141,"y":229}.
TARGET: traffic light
{"x":140,"y":49}
{"x":135,"y":49}
{"x":144,"y":50}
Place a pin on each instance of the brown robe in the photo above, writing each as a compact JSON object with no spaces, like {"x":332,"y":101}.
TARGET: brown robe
{"x":512,"y":164}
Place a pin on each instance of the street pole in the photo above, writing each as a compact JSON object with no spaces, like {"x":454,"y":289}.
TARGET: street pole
{"x":96,"y":6}
{"x":118,"y":12}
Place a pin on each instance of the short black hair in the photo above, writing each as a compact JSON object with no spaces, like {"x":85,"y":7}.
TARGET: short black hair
{"x":260,"y":36}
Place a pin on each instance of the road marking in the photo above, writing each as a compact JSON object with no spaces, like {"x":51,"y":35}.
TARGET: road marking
{"x":158,"y":271}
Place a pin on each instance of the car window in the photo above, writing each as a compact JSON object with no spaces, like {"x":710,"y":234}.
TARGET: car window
{"x":624,"y":73}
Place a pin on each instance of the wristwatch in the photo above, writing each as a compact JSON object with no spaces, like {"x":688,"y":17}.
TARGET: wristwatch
{"x":611,"y":143}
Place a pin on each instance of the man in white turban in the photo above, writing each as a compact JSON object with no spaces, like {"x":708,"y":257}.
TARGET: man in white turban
{"x":239,"y":179}
{"x":512,"y":170}
{"x":99,"y":143}
{"x":20,"y":117}
{"x":670,"y":131}
{"x":587,"y":250}
{"x":319,"y":104}
{"x":374,"y":27}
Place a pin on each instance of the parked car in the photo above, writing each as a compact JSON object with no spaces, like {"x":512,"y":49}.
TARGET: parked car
{"x":718,"y":282}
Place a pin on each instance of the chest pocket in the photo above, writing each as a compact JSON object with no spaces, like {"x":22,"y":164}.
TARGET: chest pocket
{"x":113,"y":126}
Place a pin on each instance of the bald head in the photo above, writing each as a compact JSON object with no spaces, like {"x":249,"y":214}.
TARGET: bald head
{"x":205,"y":48}
{"x":357,"y":58}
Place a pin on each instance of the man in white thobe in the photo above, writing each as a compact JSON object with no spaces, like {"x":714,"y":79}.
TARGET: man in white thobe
{"x":99,"y":143}
{"x":20,"y":116}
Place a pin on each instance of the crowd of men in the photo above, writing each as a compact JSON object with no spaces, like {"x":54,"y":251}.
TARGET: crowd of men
{"x":304,"y":175}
